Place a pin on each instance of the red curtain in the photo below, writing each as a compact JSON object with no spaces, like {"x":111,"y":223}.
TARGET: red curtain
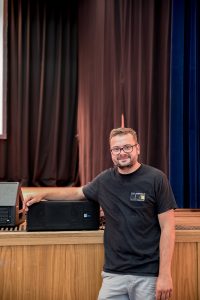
{"x":41,"y":147}
{"x":123,"y":68}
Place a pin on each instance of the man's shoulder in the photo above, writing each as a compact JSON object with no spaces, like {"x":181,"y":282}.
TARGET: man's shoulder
{"x":149,"y":170}
{"x":105,"y":174}
{"x":101,"y":178}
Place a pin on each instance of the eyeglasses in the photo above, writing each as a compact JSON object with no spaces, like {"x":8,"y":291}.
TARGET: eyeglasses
{"x":125,"y":148}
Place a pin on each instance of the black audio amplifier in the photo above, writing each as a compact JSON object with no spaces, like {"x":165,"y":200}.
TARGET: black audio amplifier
{"x":50,"y":215}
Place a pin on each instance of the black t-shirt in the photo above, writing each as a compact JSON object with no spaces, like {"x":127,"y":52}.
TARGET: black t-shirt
{"x":131,"y":204}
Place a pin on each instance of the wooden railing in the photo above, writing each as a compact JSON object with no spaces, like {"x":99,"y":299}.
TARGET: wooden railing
{"x":67,"y":265}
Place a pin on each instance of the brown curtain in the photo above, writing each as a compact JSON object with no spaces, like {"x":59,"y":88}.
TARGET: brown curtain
{"x":123,"y":56}
{"x":123,"y":68}
{"x":41,"y":148}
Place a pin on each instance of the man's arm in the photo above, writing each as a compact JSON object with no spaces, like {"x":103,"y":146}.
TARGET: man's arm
{"x":167,"y":239}
{"x":75,"y":193}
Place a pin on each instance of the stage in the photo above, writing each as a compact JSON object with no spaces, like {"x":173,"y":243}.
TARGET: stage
{"x":66,"y":265}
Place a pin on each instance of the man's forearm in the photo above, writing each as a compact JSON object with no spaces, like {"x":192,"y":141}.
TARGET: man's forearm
{"x":167,"y":241}
{"x":71,"y":193}
{"x":68,"y":193}
{"x":164,"y":285}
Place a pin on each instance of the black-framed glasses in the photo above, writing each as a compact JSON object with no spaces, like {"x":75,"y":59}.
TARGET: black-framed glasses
{"x":126,"y":148}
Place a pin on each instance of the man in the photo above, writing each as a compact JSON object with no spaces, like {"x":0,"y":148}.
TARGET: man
{"x":139,"y":209}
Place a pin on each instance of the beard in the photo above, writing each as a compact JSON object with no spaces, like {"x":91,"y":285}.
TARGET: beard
{"x":124,"y":161}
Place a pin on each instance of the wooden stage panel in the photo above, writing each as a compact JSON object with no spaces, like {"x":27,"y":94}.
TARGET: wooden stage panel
{"x":50,"y":272}
{"x":185,"y":271}
{"x":55,"y":266}
{"x":67,"y":265}
{"x":187,"y":217}
{"x":198,"y":263}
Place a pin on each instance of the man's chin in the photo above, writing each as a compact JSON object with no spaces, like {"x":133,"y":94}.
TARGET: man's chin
{"x":124,"y":166}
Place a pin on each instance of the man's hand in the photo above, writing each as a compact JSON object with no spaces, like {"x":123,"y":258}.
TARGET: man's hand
{"x":33,"y":198}
{"x":164,"y":288}
{"x":57,"y":193}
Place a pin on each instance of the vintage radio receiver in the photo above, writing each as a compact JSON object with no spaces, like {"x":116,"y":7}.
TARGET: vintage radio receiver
{"x":11,"y":204}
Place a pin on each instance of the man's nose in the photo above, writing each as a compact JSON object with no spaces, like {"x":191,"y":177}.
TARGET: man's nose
{"x":121,"y":150}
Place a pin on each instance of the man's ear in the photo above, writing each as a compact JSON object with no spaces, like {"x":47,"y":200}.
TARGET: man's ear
{"x":138,"y":148}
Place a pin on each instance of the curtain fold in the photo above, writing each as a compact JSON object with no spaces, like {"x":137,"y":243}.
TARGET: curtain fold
{"x":184,"y":103}
{"x":41,"y":148}
{"x":124,"y":52}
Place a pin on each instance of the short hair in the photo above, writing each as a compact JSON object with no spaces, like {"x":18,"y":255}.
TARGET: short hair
{"x":123,"y":131}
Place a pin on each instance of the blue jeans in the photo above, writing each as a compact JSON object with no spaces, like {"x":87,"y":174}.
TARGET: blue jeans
{"x":127,"y":287}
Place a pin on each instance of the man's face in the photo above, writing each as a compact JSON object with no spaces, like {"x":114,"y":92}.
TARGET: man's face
{"x":124,"y":159}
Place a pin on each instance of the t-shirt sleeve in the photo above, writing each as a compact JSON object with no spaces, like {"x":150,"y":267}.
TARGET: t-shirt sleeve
{"x":164,"y":195}
{"x":90,"y":190}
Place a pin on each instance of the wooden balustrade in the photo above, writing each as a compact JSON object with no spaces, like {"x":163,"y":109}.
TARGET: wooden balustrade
{"x":67,"y":265}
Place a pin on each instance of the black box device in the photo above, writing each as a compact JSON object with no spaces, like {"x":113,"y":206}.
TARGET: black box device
{"x":63,"y":215}
{"x":11,"y":204}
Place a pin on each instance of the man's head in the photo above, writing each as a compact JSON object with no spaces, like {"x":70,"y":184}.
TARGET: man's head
{"x":124,"y":149}
{"x":123,"y":131}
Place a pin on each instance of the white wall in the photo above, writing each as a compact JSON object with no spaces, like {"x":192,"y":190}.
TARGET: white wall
{"x":1,"y":67}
